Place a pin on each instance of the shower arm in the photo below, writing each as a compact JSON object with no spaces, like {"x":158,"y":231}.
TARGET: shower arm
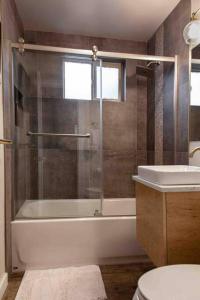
{"x":74,"y":135}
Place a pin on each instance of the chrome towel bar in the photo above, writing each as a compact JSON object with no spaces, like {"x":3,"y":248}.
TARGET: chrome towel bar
{"x":74,"y":135}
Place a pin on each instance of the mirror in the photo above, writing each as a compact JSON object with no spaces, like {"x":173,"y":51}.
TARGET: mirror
{"x":194,"y":136}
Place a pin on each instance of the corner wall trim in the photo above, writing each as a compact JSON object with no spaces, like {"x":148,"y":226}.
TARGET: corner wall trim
{"x":3,"y":284}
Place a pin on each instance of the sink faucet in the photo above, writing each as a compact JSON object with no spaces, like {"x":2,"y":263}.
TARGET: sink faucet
{"x":194,"y":151}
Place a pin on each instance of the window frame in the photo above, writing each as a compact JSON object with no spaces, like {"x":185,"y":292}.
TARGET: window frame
{"x":195,"y":69}
{"x":105,"y":62}
{"x":83,"y":60}
{"x":112,"y":63}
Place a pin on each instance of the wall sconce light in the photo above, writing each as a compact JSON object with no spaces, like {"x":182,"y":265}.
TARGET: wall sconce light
{"x":191,"y":32}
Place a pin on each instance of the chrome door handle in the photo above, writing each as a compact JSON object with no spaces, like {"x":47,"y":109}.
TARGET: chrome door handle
{"x":5,"y":142}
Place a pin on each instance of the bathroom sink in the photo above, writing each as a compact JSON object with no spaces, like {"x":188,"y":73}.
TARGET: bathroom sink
{"x":170,"y":175}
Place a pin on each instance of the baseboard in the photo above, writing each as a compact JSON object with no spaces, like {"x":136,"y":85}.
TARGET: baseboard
{"x":3,"y":284}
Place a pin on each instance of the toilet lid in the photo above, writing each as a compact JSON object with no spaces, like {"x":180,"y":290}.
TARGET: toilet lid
{"x":178,"y":282}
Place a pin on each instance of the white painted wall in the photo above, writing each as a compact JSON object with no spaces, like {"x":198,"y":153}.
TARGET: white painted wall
{"x":3,"y":275}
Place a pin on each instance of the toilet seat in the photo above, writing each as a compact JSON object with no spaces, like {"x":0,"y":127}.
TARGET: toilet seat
{"x":177,"y":282}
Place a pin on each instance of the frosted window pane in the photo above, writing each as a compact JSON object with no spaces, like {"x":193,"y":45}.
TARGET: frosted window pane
{"x":78,"y":81}
{"x":195,"y":88}
{"x":110,"y":83}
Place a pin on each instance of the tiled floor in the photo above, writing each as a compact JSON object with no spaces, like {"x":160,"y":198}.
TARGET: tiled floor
{"x":120,"y":281}
{"x":13,"y":285}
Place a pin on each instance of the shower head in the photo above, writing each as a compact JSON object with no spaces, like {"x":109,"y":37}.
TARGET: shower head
{"x":144,"y":71}
{"x":148,"y":70}
{"x":151,"y":63}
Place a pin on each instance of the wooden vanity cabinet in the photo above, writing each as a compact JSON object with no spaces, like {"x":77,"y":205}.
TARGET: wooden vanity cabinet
{"x":168,"y":225}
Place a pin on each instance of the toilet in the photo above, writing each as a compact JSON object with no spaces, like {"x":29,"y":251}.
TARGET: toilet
{"x":175,"y":282}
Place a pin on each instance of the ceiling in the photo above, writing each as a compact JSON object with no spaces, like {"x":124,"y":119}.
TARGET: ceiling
{"x":122,"y":19}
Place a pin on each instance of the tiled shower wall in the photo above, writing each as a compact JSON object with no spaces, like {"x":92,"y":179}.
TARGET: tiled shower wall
{"x":124,"y":123}
{"x":168,"y":40}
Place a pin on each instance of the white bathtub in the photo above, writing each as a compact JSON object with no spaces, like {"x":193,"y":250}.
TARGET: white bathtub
{"x":73,"y":208}
{"x":45,"y":243}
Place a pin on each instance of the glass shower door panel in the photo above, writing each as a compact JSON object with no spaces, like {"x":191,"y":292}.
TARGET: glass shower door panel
{"x":58,"y":124}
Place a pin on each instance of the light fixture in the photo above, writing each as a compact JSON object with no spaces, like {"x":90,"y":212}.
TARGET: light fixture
{"x":191,"y":32}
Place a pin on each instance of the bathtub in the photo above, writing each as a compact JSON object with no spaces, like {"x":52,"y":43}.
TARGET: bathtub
{"x":41,"y":242}
{"x":75,"y":208}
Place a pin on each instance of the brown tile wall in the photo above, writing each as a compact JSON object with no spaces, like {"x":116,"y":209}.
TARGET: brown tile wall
{"x":124,"y":136}
{"x":194,"y":123}
{"x":196,"y":52}
{"x":84,"y":42}
{"x":24,"y":167}
{"x":159,"y":99}
{"x":168,"y":40}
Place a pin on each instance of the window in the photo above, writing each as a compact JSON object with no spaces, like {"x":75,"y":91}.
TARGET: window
{"x":79,"y":79}
{"x":111,"y":81}
{"x":195,"y":88}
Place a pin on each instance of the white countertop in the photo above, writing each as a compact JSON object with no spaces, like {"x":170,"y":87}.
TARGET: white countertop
{"x":168,"y":188}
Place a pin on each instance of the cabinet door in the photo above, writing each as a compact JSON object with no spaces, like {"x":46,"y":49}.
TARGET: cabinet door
{"x":183,"y":228}
{"x":151,"y":223}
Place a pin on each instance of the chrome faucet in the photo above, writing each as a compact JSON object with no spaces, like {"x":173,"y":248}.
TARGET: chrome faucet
{"x":194,"y":151}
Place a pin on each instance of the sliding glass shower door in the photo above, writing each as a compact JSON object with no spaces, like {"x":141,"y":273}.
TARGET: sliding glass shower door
{"x":58,"y":126}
